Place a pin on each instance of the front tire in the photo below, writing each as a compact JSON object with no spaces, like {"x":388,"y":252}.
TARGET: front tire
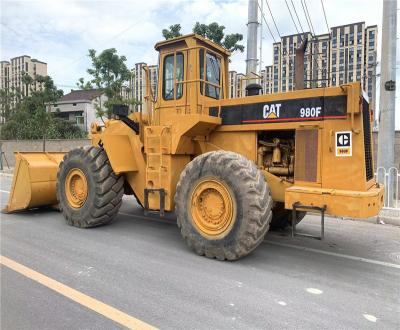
{"x":88,"y":191}
{"x":223,"y":205}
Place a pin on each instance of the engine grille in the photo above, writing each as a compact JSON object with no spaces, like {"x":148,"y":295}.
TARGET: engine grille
{"x":306,"y":157}
{"x":369,"y":171}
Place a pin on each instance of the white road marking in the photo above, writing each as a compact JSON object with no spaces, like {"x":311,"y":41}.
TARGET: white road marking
{"x":6,"y":174}
{"x":232,"y":304}
{"x":282,"y":303}
{"x":4,"y":191}
{"x":370,"y":317}
{"x":334,"y":254}
{"x":314,"y":291}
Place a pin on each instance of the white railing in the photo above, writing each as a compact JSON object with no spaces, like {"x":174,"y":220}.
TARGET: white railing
{"x":390,"y":178}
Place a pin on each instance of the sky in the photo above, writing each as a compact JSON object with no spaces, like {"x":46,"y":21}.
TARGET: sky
{"x":60,"y":32}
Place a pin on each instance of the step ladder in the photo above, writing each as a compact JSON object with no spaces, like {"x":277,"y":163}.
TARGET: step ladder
{"x":296,"y":206}
{"x":156,"y":145}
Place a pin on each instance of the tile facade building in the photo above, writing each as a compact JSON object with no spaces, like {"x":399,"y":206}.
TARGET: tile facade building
{"x":137,"y":85}
{"x":347,"y":54}
{"x":12,"y":71}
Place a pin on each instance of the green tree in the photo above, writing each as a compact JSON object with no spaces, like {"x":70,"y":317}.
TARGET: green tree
{"x":215,"y":33}
{"x":173,"y":31}
{"x":7,"y":102}
{"x":108,"y":73}
{"x":30,"y":119}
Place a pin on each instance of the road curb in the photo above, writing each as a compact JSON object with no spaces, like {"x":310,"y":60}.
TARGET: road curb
{"x":391,"y":217}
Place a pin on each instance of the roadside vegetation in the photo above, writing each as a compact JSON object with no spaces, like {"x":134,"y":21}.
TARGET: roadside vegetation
{"x":109,"y":74}
{"x":27,"y":117}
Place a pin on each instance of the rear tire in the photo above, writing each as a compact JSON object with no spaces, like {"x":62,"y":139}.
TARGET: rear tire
{"x":223,"y":205}
{"x":88,"y":191}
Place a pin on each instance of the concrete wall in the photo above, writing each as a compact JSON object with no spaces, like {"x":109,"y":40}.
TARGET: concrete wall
{"x":9,"y":146}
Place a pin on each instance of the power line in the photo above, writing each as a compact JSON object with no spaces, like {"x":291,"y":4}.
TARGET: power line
{"x":266,"y":23}
{"x":298,"y":19}
{"x":326,"y":21}
{"x":108,"y":40}
{"x":309,"y":23}
{"x":273,"y":19}
{"x":292,"y":17}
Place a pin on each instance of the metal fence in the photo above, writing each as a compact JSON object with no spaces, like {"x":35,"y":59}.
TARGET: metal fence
{"x":390,"y":178}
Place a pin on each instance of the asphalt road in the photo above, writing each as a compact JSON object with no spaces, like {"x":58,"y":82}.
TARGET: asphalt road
{"x":142,"y":267}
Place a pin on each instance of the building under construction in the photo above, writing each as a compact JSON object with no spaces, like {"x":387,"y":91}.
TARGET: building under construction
{"x":346,"y":54}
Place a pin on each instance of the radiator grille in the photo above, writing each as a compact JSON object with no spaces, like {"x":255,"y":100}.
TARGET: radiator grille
{"x":306,"y":155}
{"x":369,"y":171}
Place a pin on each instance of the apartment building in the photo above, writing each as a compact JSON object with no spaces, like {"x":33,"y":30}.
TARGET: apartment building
{"x":318,"y":62}
{"x":370,"y":60}
{"x":138,"y":83}
{"x":348,"y":53}
{"x":267,"y":80}
{"x":13,"y":70}
{"x":277,"y":67}
{"x":237,"y":84}
{"x":11,"y":73}
{"x":287,"y":61}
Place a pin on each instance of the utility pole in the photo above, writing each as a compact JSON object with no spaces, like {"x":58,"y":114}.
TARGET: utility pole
{"x":388,"y":86}
{"x":252,"y":26}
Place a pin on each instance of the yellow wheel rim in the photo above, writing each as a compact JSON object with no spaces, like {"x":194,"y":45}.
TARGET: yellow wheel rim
{"x":212,"y":208}
{"x":76,"y":188}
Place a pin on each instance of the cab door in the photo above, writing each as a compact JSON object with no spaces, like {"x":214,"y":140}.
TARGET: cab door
{"x":173,"y":94}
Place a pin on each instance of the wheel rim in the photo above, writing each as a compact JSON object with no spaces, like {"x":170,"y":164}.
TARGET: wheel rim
{"x":212,"y":208}
{"x":76,"y":188}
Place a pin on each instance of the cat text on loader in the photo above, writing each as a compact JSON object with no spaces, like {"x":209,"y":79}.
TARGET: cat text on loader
{"x":230,"y":168}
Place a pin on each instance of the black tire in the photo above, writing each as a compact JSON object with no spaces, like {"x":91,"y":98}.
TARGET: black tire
{"x":282,"y":218}
{"x":252,"y":201}
{"x":104,"y":193}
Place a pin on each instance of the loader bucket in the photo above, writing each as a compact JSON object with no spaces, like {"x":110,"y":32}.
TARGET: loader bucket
{"x":34,"y":181}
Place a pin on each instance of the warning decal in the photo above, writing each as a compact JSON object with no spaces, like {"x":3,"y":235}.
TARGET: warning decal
{"x":343,"y":144}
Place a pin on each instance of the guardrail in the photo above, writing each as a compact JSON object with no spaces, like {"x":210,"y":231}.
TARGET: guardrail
{"x":390,"y":178}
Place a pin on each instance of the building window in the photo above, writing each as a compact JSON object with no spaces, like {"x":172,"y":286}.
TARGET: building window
{"x":80,"y":120}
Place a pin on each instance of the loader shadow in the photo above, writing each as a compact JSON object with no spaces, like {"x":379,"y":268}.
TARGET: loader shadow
{"x":34,"y":212}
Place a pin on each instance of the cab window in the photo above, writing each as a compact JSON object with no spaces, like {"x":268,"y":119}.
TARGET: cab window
{"x":172,"y":86}
{"x":212,"y":69}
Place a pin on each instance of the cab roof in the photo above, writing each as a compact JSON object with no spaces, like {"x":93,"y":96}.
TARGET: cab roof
{"x":209,"y":43}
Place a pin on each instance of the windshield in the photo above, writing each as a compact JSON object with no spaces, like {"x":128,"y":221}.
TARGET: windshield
{"x":213,"y":74}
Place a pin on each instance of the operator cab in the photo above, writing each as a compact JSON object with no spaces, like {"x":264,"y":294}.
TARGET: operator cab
{"x":192,"y":71}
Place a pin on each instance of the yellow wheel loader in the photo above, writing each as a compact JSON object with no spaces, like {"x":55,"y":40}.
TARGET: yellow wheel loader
{"x":230,"y":168}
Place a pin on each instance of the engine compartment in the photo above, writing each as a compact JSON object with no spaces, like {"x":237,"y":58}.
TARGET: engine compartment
{"x":276,"y":153}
